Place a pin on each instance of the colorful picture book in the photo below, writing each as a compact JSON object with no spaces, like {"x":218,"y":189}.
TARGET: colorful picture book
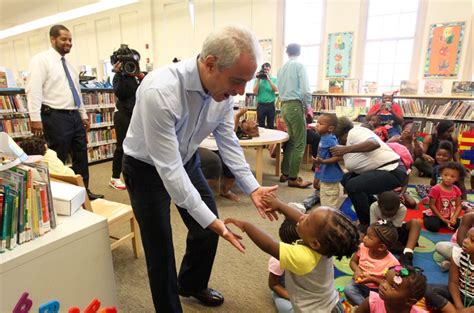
{"x":351,"y":86}
{"x":433,"y":86}
{"x":462,"y":88}
{"x":408,"y":87}
{"x":370,"y":87}
{"x":336,"y":86}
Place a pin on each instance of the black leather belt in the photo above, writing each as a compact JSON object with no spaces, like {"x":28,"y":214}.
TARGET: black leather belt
{"x":46,"y":110}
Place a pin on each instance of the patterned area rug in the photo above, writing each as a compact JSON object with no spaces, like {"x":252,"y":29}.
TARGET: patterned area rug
{"x":425,"y":256}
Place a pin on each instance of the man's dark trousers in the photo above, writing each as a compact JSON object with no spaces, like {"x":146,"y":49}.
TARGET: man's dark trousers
{"x":65,"y":133}
{"x":151,"y":205}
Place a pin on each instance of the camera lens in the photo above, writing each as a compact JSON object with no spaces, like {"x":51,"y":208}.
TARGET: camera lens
{"x":129,"y":68}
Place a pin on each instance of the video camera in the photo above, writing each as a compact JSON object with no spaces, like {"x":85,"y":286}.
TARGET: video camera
{"x":129,"y":59}
{"x":262,"y":74}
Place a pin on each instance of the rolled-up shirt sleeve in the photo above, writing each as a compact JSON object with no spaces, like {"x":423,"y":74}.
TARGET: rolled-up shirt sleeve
{"x":162,"y":145}
{"x":34,"y":87}
{"x":232,"y":154}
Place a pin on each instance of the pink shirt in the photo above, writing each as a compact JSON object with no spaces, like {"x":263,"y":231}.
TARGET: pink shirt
{"x":445,"y":201}
{"x":374,"y":267}
{"x":378,"y":306}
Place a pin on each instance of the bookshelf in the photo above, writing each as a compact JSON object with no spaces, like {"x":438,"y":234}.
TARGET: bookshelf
{"x":101,"y":138}
{"x":428,"y":109}
{"x":99,"y":104}
{"x":13,"y":112}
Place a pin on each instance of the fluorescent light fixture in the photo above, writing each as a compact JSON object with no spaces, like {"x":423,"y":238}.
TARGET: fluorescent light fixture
{"x":100,"y":6}
{"x":191,"y":11}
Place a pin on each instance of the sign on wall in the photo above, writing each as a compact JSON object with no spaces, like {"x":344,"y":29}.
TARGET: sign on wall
{"x":267,"y":50}
{"x":339,"y":54}
{"x":444,"y":49}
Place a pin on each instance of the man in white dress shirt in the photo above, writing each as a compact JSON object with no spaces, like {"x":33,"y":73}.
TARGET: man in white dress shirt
{"x":176,"y":108}
{"x":55,"y":103}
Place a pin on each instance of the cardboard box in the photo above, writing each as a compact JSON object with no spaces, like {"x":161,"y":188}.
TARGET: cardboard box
{"x":67,"y":198}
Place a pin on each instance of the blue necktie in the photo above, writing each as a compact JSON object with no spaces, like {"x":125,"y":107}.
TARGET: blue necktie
{"x":75,"y":95}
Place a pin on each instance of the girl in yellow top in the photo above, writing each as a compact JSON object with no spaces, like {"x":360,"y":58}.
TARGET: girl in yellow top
{"x":308,"y":263}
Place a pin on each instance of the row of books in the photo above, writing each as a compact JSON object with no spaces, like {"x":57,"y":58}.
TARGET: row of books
{"x":16,"y":127}
{"x":13,"y":104}
{"x":459,"y":128}
{"x":26,"y":204}
{"x":323,"y":103}
{"x":101,"y":135}
{"x":458,"y":110}
{"x":102,"y":117}
{"x":101,"y":152}
{"x":91,"y":98}
{"x":412,"y":107}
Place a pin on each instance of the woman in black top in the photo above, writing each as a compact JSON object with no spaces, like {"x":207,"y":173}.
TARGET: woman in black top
{"x":444,"y":131}
{"x":125,"y":87}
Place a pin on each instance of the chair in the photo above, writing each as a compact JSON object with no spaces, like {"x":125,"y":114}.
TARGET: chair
{"x":115,"y":213}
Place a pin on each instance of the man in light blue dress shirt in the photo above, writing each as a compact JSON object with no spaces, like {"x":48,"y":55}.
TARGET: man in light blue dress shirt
{"x":176,"y":108}
{"x":295,"y":97}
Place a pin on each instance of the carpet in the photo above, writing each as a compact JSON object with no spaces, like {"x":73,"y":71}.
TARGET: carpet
{"x":425,"y":256}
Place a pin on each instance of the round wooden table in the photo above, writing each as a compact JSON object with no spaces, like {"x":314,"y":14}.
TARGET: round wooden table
{"x":267,"y":137}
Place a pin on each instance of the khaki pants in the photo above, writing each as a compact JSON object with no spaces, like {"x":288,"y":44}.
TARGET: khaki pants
{"x":329,"y":193}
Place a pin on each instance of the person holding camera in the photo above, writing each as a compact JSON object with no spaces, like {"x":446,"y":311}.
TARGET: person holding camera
{"x":55,"y":104}
{"x":390,"y":113}
{"x":125,"y":82}
{"x":265,"y":88}
{"x":177,"y":107}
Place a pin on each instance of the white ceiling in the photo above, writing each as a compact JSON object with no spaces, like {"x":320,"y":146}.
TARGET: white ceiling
{"x":15,"y":12}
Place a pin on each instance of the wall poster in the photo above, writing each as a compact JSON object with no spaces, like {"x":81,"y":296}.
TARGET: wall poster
{"x":339,"y":54}
{"x":444,"y":49}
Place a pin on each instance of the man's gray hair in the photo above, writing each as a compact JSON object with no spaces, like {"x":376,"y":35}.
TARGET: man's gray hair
{"x":227,"y":43}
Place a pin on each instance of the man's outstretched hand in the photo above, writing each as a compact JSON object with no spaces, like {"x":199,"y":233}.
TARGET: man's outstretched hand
{"x":219,"y":228}
{"x":257,"y":196}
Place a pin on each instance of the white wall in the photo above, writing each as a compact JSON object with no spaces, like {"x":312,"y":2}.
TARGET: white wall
{"x":165,"y":25}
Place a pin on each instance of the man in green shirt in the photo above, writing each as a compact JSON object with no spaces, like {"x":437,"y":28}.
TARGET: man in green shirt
{"x":265,"y":88}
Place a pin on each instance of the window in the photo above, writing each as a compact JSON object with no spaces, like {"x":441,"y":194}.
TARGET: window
{"x":389,"y":47}
{"x":303,"y":25}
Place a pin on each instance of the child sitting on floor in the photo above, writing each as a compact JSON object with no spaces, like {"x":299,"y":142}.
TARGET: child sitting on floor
{"x":400,"y":289}
{"x":308,"y":263}
{"x":378,"y":129}
{"x":370,"y":262}
{"x":458,"y":296}
{"x":445,"y":199}
{"x":276,"y":275}
{"x":445,"y":248}
{"x":37,"y":146}
{"x":327,"y":169}
{"x":388,"y":207}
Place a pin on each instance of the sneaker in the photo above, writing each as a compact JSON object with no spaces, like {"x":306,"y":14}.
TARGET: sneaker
{"x":406,"y":258}
{"x":445,"y":265}
{"x":116,"y":183}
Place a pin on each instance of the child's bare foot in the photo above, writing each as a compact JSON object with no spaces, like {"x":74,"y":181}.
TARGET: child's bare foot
{"x":230,"y":195}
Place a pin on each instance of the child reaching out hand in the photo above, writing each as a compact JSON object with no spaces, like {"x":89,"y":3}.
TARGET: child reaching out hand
{"x":400,"y":289}
{"x":308,"y":263}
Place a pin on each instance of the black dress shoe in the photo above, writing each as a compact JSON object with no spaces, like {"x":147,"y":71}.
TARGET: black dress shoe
{"x":208,"y":297}
{"x":93,"y":196}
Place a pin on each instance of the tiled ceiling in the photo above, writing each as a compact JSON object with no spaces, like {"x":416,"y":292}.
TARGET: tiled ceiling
{"x":16,"y":12}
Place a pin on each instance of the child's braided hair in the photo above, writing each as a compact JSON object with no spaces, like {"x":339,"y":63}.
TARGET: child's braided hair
{"x":339,"y":236}
{"x":288,"y":232}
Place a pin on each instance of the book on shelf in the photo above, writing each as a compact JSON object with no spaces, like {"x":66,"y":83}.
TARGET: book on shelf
{"x":433,"y":86}
{"x":351,"y":86}
{"x":336,"y":85}
{"x":370,"y":87}
{"x":408,"y":87}
{"x":3,"y":79}
{"x":462,"y":88}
